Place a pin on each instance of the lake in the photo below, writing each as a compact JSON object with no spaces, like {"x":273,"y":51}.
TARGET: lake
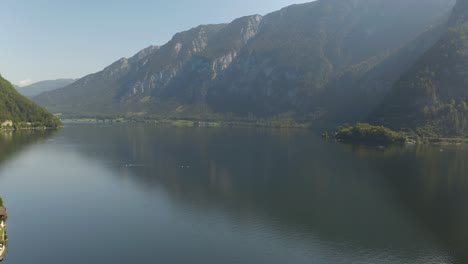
{"x":133,"y":193}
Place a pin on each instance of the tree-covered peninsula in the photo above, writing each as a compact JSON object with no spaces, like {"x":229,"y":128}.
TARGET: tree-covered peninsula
{"x":368,"y":134}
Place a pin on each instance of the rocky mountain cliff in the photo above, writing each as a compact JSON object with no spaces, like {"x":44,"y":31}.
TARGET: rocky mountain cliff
{"x":287,"y":62}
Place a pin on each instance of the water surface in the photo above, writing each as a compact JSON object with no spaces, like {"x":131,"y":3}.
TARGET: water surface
{"x":144,"y":194}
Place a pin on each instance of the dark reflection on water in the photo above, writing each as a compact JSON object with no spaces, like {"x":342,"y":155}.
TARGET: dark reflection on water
{"x":13,"y":141}
{"x":145,"y":194}
{"x":432,"y":183}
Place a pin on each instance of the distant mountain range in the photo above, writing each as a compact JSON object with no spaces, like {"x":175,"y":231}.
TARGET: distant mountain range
{"x":18,"y":111}
{"x":327,"y":61}
{"x":43,"y":86}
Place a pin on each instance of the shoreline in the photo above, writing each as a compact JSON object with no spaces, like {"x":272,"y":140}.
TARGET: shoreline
{"x":277,"y":124}
{"x":29,"y":129}
{"x":191,"y":123}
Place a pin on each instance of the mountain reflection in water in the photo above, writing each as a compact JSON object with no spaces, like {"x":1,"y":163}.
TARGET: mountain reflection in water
{"x":236,"y":196}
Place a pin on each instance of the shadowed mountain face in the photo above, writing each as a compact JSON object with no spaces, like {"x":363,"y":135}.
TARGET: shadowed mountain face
{"x":44,"y":86}
{"x":432,"y":96}
{"x":288,"y":61}
{"x":12,"y":142}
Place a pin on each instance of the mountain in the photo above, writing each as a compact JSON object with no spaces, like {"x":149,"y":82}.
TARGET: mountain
{"x":360,"y":89}
{"x":431,"y":98}
{"x":292,"y":62}
{"x":43,"y":86}
{"x":19,"y":110}
{"x":304,"y":51}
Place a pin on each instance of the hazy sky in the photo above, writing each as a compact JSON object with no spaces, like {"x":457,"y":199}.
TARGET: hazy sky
{"x":50,"y":39}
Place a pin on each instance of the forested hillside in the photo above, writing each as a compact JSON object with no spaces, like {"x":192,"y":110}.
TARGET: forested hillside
{"x":432,"y":96}
{"x":21,"y":111}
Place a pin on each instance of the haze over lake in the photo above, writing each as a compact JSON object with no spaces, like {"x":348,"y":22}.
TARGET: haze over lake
{"x":145,"y":194}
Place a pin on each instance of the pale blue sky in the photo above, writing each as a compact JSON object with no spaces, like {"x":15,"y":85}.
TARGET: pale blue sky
{"x":50,"y":39}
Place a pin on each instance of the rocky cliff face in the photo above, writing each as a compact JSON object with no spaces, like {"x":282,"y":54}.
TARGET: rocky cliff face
{"x":303,"y":51}
{"x":180,"y":68}
{"x":283,"y":62}
{"x":192,"y":59}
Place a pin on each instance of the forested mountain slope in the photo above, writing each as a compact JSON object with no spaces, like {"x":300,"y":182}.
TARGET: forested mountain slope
{"x":18,"y":109}
{"x":432,"y":96}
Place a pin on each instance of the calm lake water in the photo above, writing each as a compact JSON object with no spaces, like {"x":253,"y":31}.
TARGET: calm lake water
{"x":143,"y":194}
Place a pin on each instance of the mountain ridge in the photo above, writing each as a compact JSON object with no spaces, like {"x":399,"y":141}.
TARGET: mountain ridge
{"x":283,"y":63}
{"x":43,"y":86}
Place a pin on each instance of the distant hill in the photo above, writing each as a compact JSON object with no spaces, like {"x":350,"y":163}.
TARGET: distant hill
{"x":43,"y":86}
{"x":306,"y":61}
{"x":20,"y":110}
{"x":432,"y":96}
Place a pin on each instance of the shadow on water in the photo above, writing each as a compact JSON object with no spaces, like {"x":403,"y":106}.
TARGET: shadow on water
{"x":376,"y":198}
{"x":431,"y":183}
{"x":11,"y":144}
